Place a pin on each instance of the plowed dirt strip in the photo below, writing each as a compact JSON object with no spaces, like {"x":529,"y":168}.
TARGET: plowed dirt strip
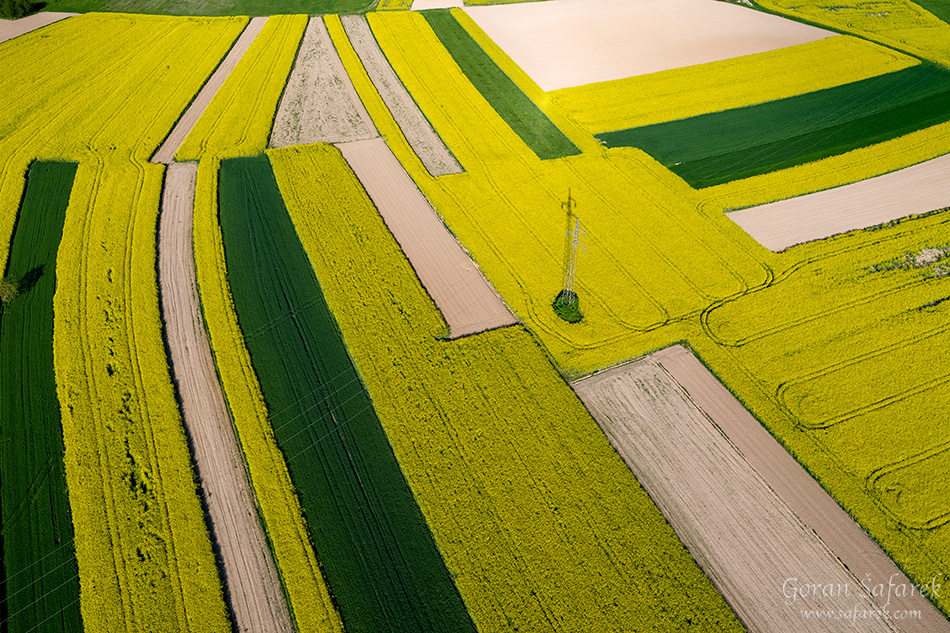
{"x":319,"y":104}
{"x":15,"y":28}
{"x":746,"y":539}
{"x":166,"y":152}
{"x":427,"y":145}
{"x":250,"y":575}
{"x":468,"y":303}
{"x":916,"y":189}
{"x":797,"y":488}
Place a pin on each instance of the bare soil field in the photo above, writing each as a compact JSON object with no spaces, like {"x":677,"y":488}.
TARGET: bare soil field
{"x":761,"y":555}
{"x":166,"y":153}
{"x":796,"y":487}
{"x":564,"y":43}
{"x":469,"y":304}
{"x":251,"y":583}
{"x":427,"y":145}
{"x":421,"y":5}
{"x":916,"y":189}
{"x":15,"y":28}
{"x":319,"y":104}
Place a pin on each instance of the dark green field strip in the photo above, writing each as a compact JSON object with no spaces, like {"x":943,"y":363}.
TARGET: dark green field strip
{"x":382,"y":565}
{"x":940,"y":8}
{"x":211,"y":7}
{"x":40,"y":576}
{"x":525,"y":118}
{"x":714,"y":148}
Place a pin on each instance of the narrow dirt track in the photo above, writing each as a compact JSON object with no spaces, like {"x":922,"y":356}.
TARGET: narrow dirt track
{"x":796,"y":487}
{"x":15,"y":28}
{"x":427,"y":145}
{"x":917,"y":189}
{"x":467,"y":301}
{"x":251,"y":583}
{"x":320,"y":104}
{"x":739,"y":506}
{"x":166,"y":153}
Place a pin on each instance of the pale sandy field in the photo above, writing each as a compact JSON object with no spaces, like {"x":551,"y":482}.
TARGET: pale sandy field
{"x":916,"y":189}
{"x":468,"y":303}
{"x":166,"y":153}
{"x":754,"y":520}
{"x":563,"y":43}
{"x":319,"y":104}
{"x":251,"y":583}
{"x":15,"y":28}
{"x":427,"y":145}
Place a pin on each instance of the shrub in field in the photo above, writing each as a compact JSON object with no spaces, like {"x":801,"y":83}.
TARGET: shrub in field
{"x":9,"y":289}
{"x":382,"y":565}
{"x":540,"y":523}
{"x":40,"y":588}
{"x":14,"y":9}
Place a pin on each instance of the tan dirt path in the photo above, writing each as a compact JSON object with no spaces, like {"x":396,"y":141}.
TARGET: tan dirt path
{"x":917,"y":189}
{"x":166,"y":153}
{"x":754,"y":548}
{"x":250,"y":578}
{"x":469,"y":304}
{"x":10,"y":29}
{"x":806,"y":498}
{"x":427,"y":145}
{"x":320,"y":104}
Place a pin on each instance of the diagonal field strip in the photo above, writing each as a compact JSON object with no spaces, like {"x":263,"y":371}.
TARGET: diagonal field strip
{"x":166,"y":152}
{"x":10,"y":29}
{"x":468,"y":302}
{"x":424,"y":141}
{"x":320,"y":104}
{"x":760,"y":527}
{"x":250,"y":575}
{"x":917,"y":189}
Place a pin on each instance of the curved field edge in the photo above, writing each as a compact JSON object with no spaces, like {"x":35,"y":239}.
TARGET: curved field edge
{"x":727,"y":84}
{"x":541,"y":524}
{"x":239,"y":119}
{"x":40,"y":580}
{"x":300,"y":571}
{"x":144,"y":552}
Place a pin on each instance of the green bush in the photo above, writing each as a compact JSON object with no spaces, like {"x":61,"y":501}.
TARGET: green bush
{"x":14,"y":9}
{"x":567,"y":306}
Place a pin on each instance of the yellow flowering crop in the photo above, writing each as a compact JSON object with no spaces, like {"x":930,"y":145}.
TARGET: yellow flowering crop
{"x":306,"y":589}
{"x":730,"y":83}
{"x":540,"y":522}
{"x":238,"y":120}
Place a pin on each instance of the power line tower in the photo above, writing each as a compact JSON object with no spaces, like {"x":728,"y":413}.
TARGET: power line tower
{"x":567,"y":304}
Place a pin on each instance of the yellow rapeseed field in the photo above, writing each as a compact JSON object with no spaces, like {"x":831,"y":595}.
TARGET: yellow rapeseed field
{"x":540,"y":522}
{"x":731,"y":83}
{"x":145,"y":558}
{"x":238,"y":120}
{"x":306,"y":588}
{"x":144,"y":554}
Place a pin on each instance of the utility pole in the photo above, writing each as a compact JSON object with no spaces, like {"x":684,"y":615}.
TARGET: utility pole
{"x":566,"y":304}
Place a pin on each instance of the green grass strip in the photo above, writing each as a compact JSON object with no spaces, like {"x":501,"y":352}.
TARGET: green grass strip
{"x":940,"y":8}
{"x":40,"y":584}
{"x":715,"y":148}
{"x":525,"y":118}
{"x":382,"y":565}
{"x":212,"y":7}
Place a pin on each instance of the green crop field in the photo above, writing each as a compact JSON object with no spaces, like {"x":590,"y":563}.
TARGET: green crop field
{"x":40,"y":576}
{"x":714,"y":148}
{"x":382,"y":565}
{"x":507,"y":99}
{"x":212,"y":7}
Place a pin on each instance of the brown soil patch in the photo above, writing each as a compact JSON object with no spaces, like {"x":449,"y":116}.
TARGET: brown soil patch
{"x":250,"y":578}
{"x":467,"y":301}
{"x":916,"y":189}
{"x":427,"y":145}
{"x":166,"y":153}
{"x":760,"y":527}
